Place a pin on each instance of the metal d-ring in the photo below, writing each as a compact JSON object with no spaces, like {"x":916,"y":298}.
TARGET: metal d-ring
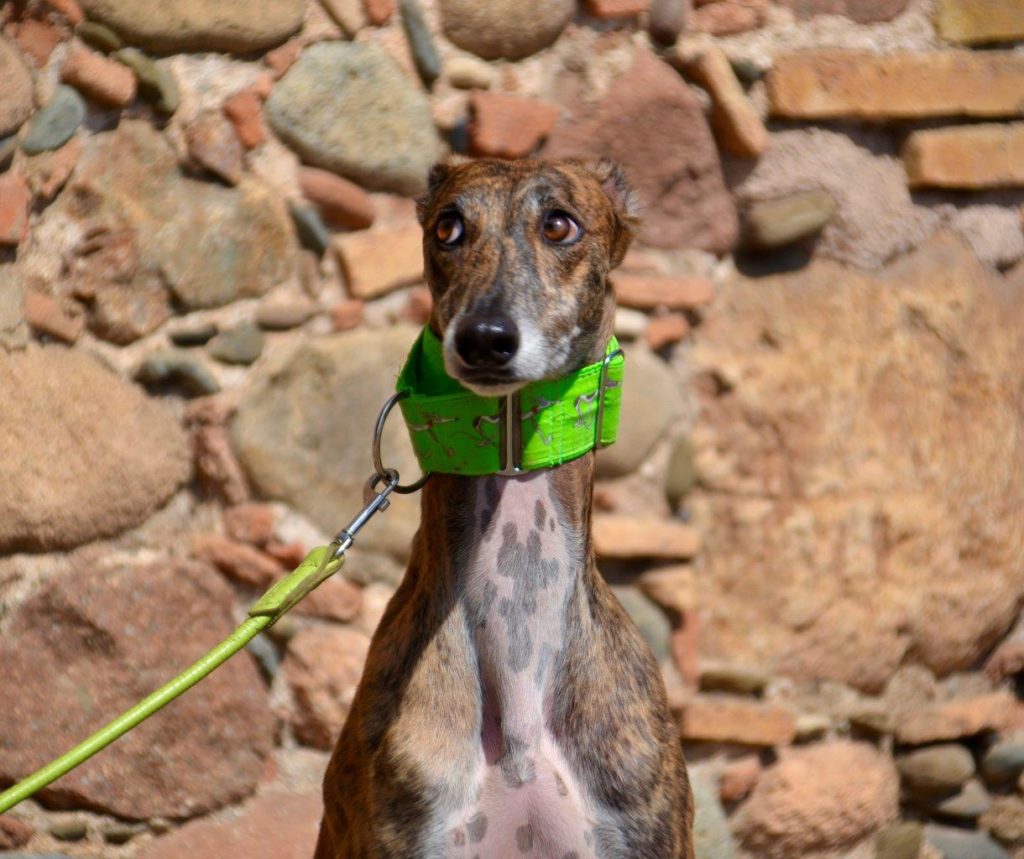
{"x":378,"y":435}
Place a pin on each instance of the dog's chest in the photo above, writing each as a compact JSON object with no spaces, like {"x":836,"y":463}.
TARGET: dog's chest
{"x":519,"y":574}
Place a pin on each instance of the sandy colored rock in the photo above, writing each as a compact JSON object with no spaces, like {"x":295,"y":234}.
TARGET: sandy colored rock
{"x":653,"y":125}
{"x":466,"y":72}
{"x":973,"y":157}
{"x":719,"y":719}
{"x":103,"y":80}
{"x":998,"y":711}
{"x":16,"y":99}
{"x":178,"y":26}
{"x":832,"y":385}
{"x":673,"y":587}
{"x":379,"y":261}
{"x":507,"y":126}
{"x":650,"y":291}
{"x":273,"y":826}
{"x":104,"y":461}
{"x":835,"y":84}
{"x":214,"y":144}
{"x":620,"y":536}
{"x":727,"y":17}
{"x":85,"y":647}
{"x":340,"y":200}
{"x":783,"y":220}
{"x":322,"y":667}
{"x":733,"y":118}
{"x":504,"y":29}
{"x":821,"y":798}
{"x":979,"y":21}
{"x":861,"y":11}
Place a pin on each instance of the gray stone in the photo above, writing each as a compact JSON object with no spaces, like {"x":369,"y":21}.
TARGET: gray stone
{"x":899,"y":841}
{"x":650,"y":401}
{"x":122,"y":313}
{"x":965,"y":807}
{"x":936,"y":770}
{"x":733,"y":678}
{"x":16,"y":101}
{"x":157,"y":84}
{"x":209,"y":244}
{"x":872,"y":722}
{"x":712,"y":838}
{"x":1003,"y":763}
{"x":242,"y":344}
{"x":169,"y":369}
{"x":104,"y":459}
{"x":70,"y":829}
{"x":649,"y":619}
{"x":681,"y":475}
{"x":509,"y":29}
{"x":302,"y":432}
{"x":180,"y":26}
{"x":666,"y":20}
{"x":421,"y":42}
{"x":53,"y":124}
{"x":962,"y":844}
{"x":8,"y":146}
{"x":387,"y":141}
{"x":197,"y":334}
{"x":282,"y":317}
{"x":116,"y":832}
{"x":99,"y":36}
{"x":784,"y":220}
{"x":310,"y":227}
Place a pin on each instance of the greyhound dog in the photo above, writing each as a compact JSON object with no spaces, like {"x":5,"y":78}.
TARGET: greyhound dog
{"x":509,"y":707}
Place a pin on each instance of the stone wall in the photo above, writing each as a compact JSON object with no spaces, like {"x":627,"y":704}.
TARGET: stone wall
{"x":210,"y":272}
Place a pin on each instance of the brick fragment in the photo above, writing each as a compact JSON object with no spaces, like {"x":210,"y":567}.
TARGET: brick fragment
{"x":971,"y":22}
{"x":972,"y":157}
{"x":735,"y":122}
{"x":507,"y":126}
{"x":648,"y":291}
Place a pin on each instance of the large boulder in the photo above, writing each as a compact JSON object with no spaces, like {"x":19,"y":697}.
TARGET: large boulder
{"x":652,"y":124}
{"x":86,"y":646}
{"x":179,"y":26}
{"x":83,"y":454}
{"x":210,"y":244}
{"x":349,"y":108}
{"x":855,"y":455}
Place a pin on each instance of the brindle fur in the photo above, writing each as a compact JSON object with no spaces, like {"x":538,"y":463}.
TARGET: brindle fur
{"x":418,"y":714}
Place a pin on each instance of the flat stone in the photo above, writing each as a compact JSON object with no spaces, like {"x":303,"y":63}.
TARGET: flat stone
{"x":209,"y":244}
{"x":285,"y":426}
{"x":617,"y":535}
{"x":973,"y":22}
{"x":213,"y":144}
{"x":242,"y":344}
{"x":504,"y":29}
{"x":861,"y":11}
{"x":99,"y":36}
{"x":507,"y":126}
{"x":674,"y":587}
{"x":124,"y":313}
{"x":172,"y":370}
{"x":834,"y":84}
{"x":936,"y":771}
{"x":651,"y":291}
{"x":954,"y":843}
{"x":718,"y":719}
{"x":273,"y":826}
{"x":653,"y":125}
{"x":322,"y":667}
{"x":113,"y":633}
{"x":616,"y":8}
{"x":727,"y":17}
{"x":388,"y":141}
{"x":736,"y":124}
{"x":964,"y":807}
{"x":821,"y":798}
{"x":103,"y":80}
{"x":469,"y":73}
{"x":197,"y":334}
{"x":972,"y":157}
{"x":50,"y":316}
{"x":16,"y":100}
{"x":70,"y":829}
{"x":156,"y":81}
{"x":8,"y":146}
{"x":421,"y":41}
{"x":341,"y":201}
{"x":736,"y":679}
{"x":899,"y":841}
{"x":282,"y":316}
{"x":1003,"y":762}
{"x":783,"y":220}
{"x":960,"y":719}
{"x":55,"y":122}
{"x":15,"y":203}
{"x":379,"y":261}
{"x":184,"y":26}
{"x":666,"y":330}
{"x":681,"y":475}
{"x":116,"y":832}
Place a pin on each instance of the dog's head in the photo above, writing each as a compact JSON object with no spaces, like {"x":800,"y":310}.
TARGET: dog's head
{"x":517,"y":256}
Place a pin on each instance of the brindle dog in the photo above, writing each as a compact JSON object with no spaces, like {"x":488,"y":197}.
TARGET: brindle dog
{"x":509,"y":707}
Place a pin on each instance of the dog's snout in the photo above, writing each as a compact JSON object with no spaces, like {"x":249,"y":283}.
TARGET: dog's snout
{"x":486,"y":341}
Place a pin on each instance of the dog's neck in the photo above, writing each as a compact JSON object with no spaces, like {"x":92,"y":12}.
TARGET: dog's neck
{"x":516,"y":565}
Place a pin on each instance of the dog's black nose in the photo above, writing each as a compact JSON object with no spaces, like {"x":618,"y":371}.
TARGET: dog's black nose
{"x":486,"y":341}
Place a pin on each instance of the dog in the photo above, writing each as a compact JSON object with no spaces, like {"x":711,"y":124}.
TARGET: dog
{"x":509,"y":707}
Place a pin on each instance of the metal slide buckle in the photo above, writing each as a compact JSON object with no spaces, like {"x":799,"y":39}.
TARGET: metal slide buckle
{"x":601,"y":391}
{"x":510,"y":446}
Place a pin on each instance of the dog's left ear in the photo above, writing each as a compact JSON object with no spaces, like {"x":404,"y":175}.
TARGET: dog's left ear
{"x":437,"y":176}
{"x":624,"y":204}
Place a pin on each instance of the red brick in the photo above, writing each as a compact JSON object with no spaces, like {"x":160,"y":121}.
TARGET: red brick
{"x":245,"y":111}
{"x":648,"y":291}
{"x":979,"y":21}
{"x":990,"y":155}
{"x":15,"y":199}
{"x":665,"y":330}
{"x":713,"y":719}
{"x":250,"y":523}
{"x":103,"y":80}
{"x":46,"y":315}
{"x":735,"y":122}
{"x":70,"y":9}
{"x":739,"y":778}
{"x":237,"y":561}
{"x":379,"y":261}
{"x":280,"y":59}
{"x":507,"y":126}
{"x":340,"y":200}
{"x":37,"y":39}
{"x":336,"y":599}
{"x":379,"y":11}
{"x":622,"y":536}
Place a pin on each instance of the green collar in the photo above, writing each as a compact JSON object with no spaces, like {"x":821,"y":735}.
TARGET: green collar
{"x":455,"y":431}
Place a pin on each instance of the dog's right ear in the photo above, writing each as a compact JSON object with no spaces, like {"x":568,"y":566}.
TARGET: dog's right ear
{"x":624,"y":203}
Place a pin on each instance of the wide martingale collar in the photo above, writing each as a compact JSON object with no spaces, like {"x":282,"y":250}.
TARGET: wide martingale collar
{"x":455,"y":431}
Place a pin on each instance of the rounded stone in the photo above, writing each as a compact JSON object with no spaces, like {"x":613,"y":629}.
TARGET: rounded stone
{"x":651,"y":399}
{"x":242,"y":344}
{"x":899,"y":841}
{"x":1003,"y":763}
{"x":936,"y":770}
{"x":509,"y":29}
{"x":83,"y":454}
{"x":387,"y":140}
{"x":179,"y":26}
{"x":681,"y":474}
{"x":53,"y":124}
{"x":16,"y":100}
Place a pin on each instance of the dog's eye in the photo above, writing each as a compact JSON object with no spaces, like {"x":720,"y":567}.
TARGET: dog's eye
{"x":560,"y":229}
{"x":449,"y":228}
